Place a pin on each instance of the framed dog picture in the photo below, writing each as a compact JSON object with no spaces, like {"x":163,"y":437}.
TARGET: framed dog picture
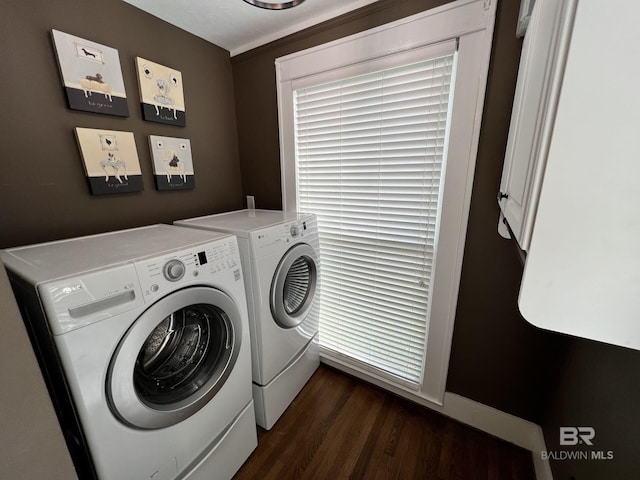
{"x":110,"y":160}
{"x":161,"y":93}
{"x":172,"y":163}
{"x":91,"y":75}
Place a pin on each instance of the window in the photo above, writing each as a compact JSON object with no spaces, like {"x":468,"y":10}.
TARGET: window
{"x":378,"y":137}
{"x":369,"y":152}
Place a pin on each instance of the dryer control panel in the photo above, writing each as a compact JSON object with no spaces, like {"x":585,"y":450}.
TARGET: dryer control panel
{"x":162,"y":274}
{"x":280,"y":236}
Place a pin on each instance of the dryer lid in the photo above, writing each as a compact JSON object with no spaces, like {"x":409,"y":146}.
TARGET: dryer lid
{"x":242,"y":222}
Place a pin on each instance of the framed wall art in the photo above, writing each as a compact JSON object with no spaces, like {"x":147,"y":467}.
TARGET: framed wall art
{"x":91,"y":75}
{"x":110,"y":160}
{"x":161,"y":93}
{"x":172,"y":163}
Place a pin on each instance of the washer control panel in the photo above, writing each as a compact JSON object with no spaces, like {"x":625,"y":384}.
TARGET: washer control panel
{"x":161,"y":274}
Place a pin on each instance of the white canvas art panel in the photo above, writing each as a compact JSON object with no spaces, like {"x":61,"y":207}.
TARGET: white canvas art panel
{"x":91,"y":75}
{"x":172,"y":163}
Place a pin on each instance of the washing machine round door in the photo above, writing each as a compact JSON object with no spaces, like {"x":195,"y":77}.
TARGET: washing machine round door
{"x":174,"y":358}
{"x":294,"y":286}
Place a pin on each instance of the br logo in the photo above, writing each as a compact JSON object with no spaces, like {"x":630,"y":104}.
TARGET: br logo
{"x":576,"y":435}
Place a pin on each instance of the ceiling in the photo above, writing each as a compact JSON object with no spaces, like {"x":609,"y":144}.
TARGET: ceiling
{"x":237,"y":26}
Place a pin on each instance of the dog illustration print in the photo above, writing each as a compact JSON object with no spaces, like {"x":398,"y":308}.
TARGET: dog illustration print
{"x":175,"y":166}
{"x":117,"y":165}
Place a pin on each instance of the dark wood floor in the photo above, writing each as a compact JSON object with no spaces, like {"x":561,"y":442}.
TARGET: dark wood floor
{"x":339,"y":428}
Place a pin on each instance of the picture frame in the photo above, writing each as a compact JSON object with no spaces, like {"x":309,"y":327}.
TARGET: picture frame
{"x":172,"y":163}
{"x":110,"y":160}
{"x":161,"y":93}
{"x":91,"y":75}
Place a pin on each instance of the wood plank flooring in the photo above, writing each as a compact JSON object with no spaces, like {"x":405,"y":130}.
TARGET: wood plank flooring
{"x":341,"y":428}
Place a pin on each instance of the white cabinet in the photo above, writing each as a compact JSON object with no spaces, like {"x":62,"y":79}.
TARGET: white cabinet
{"x":539,"y":78}
{"x":575,"y":201}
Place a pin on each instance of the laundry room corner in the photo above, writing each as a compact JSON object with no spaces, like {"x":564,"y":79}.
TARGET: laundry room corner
{"x":252,"y":276}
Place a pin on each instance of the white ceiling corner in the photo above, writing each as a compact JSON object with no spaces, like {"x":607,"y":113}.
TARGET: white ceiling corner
{"x":237,"y":26}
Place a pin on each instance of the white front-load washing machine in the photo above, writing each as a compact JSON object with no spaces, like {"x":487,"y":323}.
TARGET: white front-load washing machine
{"x":279,"y":252}
{"x":143,"y":339}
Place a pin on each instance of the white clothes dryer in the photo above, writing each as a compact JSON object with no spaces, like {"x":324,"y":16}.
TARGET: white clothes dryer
{"x":143,"y":339}
{"x":279,"y":253}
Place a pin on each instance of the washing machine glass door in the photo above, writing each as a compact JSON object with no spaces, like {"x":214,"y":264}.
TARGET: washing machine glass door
{"x":294,"y":286}
{"x":174,"y":358}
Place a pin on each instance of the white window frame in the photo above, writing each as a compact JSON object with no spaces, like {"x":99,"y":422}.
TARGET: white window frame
{"x":471,"y":23}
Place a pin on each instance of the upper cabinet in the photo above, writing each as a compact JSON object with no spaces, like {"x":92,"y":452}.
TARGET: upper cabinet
{"x":544,"y":53}
{"x":571,"y":183}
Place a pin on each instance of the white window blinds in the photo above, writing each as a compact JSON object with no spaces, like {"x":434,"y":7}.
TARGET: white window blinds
{"x":369,"y":156}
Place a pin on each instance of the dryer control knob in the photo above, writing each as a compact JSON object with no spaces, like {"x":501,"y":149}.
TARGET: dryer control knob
{"x":294,"y":231}
{"x":173,"y":270}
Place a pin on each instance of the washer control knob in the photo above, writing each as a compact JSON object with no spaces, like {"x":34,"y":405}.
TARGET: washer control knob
{"x":294,"y":231}
{"x":173,"y":270}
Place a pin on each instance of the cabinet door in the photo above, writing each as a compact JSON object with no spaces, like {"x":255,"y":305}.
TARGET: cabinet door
{"x":582,"y":274}
{"x":539,"y":75}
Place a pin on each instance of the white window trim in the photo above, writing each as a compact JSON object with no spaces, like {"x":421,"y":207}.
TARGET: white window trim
{"x":471,"y":22}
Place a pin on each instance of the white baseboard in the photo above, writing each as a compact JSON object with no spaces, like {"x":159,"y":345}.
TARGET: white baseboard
{"x":542,"y":466}
{"x":497,"y":423}
{"x":504,"y":426}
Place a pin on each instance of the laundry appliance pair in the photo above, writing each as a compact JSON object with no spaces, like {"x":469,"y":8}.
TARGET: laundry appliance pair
{"x":144,"y":341}
{"x":279,"y":252}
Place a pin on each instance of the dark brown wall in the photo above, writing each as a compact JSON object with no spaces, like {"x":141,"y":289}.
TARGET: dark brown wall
{"x":43,"y":190}
{"x":496,"y":355}
{"x":596,"y":385}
